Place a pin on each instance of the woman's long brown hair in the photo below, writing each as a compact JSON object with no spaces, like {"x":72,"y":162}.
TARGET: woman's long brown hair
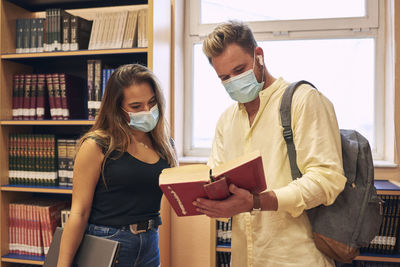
{"x":111,"y":130}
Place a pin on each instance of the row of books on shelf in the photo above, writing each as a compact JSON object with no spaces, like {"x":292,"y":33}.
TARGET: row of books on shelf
{"x":123,"y":29}
{"x":386,"y":242}
{"x":224,"y":232}
{"x":38,"y":96}
{"x":32,"y":223}
{"x":62,"y":31}
{"x":97,"y":77}
{"x":41,"y":160}
{"x":59,"y":96}
{"x":223,"y":259}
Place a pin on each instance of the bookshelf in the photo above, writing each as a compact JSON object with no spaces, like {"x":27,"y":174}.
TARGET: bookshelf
{"x":384,"y":187}
{"x":156,"y":56}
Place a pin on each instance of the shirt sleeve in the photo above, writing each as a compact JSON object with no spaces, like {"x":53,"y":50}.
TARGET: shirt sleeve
{"x":319,"y":155}
{"x":215,"y":157}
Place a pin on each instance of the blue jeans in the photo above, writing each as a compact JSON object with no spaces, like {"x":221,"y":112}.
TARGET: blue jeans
{"x":140,"y":250}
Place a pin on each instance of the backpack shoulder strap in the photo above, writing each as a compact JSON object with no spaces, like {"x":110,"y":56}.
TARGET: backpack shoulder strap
{"x":286,"y":120}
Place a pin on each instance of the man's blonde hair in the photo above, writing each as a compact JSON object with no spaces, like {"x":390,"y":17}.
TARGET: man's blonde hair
{"x":227,"y":33}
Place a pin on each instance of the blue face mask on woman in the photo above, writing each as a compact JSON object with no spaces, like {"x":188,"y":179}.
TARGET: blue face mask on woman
{"x":243,"y":87}
{"x":144,"y":121}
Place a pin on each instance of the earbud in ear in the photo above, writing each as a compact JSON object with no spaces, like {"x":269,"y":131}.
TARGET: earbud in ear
{"x":260,"y":60}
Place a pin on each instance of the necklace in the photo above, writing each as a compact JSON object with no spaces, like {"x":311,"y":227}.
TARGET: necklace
{"x":143,"y":144}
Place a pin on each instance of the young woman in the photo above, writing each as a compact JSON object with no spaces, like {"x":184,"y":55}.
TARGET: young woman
{"x":116,"y":193}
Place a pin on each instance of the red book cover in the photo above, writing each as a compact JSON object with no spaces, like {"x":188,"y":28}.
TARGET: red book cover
{"x":38,"y":238}
{"x":16,"y":79}
{"x":64,"y":102}
{"x":21,"y":92}
{"x":57,"y":95}
{"x":50,"y":218}
{"x":41,"y":97}
{"x":18,"y":228}
{"x":33,"y":95}
{"x":44,"y":228}
{"x":51,"y":94}
{"x":182,"y":185}
{"x":27,"y":95}
{"x":24,"y":233}
{"x":30,"y":229}
{"x":11,"y":228}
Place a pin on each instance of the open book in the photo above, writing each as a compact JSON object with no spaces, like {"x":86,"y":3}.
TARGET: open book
{"x":182,"y":185}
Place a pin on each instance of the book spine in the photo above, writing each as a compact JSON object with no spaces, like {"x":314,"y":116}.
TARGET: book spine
{"x":27,"y":94}
{"x":40,"y":96}
{"x":57,"y":99}
{"x":21,"y":92}
{"x":19,"y":35}
{"x":40,"y":35}
{"x":46,"y":27}
{"x":66,"y":23}
{"x":97,"y":85}
{"x":32,"y":105}
{"x":90,"y":89}
{"x":11,"y":229}
{"x":33,"y":36}
{"x":51,"y":94}
{"x":29,"y":159}
{"x":62,"y":161}
{"x":26,"y":36}
{"x":15,"y":96}
{"x":64,"y":100}
{"x":40,"y":159}
{"x":74,"y":33}
{"x":11,"y":167}
{"x":71,"y":148}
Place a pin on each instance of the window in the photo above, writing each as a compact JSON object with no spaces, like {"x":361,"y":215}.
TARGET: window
{"x":338,"y":45}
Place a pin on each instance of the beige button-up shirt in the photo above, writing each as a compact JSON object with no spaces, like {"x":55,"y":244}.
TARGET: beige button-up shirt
{"x":283,"y":237}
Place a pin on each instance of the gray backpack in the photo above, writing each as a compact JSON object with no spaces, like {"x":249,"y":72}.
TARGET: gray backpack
{"x":354,"y":219}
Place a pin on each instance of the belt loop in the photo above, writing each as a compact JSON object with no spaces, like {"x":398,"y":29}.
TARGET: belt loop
{"x":134,"y":230}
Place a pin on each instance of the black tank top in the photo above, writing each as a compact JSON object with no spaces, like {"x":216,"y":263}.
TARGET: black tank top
{"x":133,"y":192}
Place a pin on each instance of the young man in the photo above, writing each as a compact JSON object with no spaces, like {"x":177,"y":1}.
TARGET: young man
{"x":271,"y":229}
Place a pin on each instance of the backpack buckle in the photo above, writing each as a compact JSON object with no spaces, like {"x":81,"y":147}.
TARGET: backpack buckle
{"x":287,"y":134}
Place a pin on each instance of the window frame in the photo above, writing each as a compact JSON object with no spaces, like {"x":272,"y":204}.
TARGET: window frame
{"x":371,"y":25}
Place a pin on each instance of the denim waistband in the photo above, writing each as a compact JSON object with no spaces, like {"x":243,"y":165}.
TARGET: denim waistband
{"x":140,"y":226}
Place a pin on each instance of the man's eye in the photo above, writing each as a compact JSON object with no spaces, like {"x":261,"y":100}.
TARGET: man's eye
{"x":238,"y":71}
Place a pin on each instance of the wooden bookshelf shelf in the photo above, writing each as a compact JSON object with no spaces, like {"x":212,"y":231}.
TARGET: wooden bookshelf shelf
{"x":23,"y":259}
{"x":48,"y":122}
{"x":380,"y":258}
{"x":223,"y":249}
{"x":384,"y":187}
{"x":36,"y":189}
{"x":75,"y":53}
{"x":388,"y":192}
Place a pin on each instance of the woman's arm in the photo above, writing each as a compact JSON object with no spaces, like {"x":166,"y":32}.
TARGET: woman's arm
{"x":87,"y":169}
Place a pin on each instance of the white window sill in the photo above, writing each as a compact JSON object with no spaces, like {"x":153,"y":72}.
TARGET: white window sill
{"x":384,"y":164}
{"x":193,"y":160}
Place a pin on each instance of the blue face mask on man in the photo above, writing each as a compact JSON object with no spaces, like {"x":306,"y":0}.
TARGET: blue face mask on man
{"x":244,"y":87}
{"x":144,"y":121}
